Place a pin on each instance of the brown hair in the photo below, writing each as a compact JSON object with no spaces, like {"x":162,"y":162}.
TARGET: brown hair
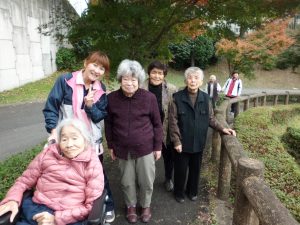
{"x":99,"y":58}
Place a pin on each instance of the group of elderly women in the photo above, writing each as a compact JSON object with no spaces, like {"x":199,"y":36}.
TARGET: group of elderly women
{"x":142,"y":119}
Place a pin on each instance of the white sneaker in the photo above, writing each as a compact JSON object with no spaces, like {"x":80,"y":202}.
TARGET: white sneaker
{"x":110,"y":216}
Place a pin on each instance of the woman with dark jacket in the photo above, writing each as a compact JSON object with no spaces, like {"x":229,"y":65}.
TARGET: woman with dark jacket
{"x":163,"y":91}
{"x":213,"y":88}
{"x":190,"y":116}
{"x":134,"y":134}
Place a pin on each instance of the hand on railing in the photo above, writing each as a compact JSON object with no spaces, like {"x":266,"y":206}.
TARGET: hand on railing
{"x":229,"y":131}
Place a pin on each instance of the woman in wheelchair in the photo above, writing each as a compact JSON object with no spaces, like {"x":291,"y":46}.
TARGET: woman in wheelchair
{"x":67,"y":178}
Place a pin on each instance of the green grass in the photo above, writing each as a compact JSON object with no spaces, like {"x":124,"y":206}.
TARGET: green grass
{"x":12,"y":168}
{"x":39,"y":90}
{"x":260,"y":131}
{"x":35,"y":91}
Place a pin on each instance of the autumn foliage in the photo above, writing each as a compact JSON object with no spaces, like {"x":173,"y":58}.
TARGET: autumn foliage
{"x":261,"y":46}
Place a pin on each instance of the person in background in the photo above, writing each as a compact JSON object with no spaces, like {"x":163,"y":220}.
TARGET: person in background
{"x":163,"y":91}
{"x":190,"y":115}
{"x":82,"y":95}
{"x":134,"y":136}
{"x":233,"y":88}
{"x":66,"y":177}
{"x":213,"y":88}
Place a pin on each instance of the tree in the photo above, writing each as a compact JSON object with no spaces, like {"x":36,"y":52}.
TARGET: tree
{"x":250,"y":14}
{"x":143,"y":29}
{"x":192,"y":51}
{"x":138,"y":30}
{"x":260,"y":47}
{"x":291,"y":57}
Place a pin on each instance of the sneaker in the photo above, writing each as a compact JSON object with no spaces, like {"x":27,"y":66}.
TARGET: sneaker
{"x":110,"y":216}
{"x":169,"y":185}
{"x":179,"y":199}
{"x":193,"y":198}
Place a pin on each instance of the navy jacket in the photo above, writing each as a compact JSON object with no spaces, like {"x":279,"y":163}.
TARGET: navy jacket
{"x":59,"y":104}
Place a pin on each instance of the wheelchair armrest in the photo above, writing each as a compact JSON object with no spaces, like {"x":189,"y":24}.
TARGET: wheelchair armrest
{"x":4,"y":219}
{"x":97,"y":214}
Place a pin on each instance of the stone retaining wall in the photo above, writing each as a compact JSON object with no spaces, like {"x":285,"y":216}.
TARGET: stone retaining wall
{"x":25,"y":54}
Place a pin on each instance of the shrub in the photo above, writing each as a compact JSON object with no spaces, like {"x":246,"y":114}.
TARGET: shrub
{"x":260,"y":134}
{"x":292,"y":139}
{"x":66,"y":59}
{"x":181,"y":55}
{"x":200,"y":49}
{"x":203,"y":50}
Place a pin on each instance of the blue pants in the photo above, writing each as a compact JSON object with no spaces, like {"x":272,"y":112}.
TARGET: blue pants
{"x":29,"y":209}
{"x":109,"y":202}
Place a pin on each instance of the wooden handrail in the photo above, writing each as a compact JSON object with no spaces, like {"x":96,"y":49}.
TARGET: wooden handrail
{"x":265,"y":204}
{"x":233,"y":157}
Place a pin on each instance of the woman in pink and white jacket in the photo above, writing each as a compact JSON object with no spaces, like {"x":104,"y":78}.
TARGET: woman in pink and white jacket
{"x":82,"y":95}
{"x":67,"y":178}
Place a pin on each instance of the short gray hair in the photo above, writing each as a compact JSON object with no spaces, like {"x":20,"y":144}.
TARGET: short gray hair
{"x":213,"y":77}
{"x":132,"y":68}
{"x":77,"y":124}
{"x":192,"y":70}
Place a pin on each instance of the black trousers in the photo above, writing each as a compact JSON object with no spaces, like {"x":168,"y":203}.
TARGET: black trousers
{"x":186,"y":173}
{"x":167,"y":153}
{"x":233,"y":105}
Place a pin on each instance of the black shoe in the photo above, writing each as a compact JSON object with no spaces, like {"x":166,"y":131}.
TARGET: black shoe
{"x":179,"y":199}
{"x":193,"y":198}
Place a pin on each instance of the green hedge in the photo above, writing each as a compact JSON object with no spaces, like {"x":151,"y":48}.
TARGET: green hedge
{"x":260,"y":131}
{"x":66,"y":60}
{"x":292,"y":139}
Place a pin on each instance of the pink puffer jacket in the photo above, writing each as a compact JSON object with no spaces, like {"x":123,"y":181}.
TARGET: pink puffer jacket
{"x":68,"y":186}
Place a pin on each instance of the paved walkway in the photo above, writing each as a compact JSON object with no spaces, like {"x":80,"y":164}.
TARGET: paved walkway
{"x":165,"y":210}
{"x":21,"y":127}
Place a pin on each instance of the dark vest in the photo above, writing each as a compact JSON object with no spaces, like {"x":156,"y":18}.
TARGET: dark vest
{"x":215,"y":91}
{"x":193,"y":122}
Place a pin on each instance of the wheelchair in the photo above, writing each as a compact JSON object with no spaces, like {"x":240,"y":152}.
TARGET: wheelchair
{"x":96,"y":216}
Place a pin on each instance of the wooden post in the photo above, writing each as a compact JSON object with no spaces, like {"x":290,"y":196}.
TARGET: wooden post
{"x":255,"y":103}
{"x":264,"y":100}
{"x":286,"y":101}
{"x":224,"y":175}
{"x":246,"y":104}
{"x":275,"y":100}
{"x":265,"y":203}
{"x":243,"y":213}
{"x":237,"y":110}
{"x":216,"y":146}
{"x":228,"y":109}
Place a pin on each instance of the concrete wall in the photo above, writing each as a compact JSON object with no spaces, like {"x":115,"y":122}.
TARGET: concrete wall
{"x":25,"y":54}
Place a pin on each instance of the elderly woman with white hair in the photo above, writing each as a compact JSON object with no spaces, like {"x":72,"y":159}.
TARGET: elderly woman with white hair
{"x":213,"y":88}
{"x":66,"y":177}
{"x":190,"y":115}
{"x":134,"y":135}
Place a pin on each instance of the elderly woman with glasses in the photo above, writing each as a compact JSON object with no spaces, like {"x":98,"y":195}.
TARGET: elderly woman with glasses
{"x":134,"y":136}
